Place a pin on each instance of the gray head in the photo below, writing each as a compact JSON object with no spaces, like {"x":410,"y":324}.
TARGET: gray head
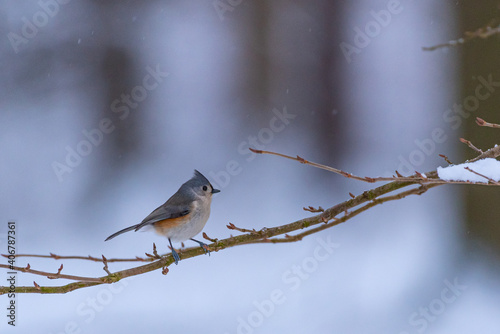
{"x":200,"y":185}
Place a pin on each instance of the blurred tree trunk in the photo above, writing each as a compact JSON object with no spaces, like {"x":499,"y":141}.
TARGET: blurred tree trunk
{"x":480,"y":58}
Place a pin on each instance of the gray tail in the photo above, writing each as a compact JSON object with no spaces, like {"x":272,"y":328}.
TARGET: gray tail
{"x":133,"y":227}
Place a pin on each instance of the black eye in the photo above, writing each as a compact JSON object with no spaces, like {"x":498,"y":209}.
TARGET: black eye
{"x":205,"y":188}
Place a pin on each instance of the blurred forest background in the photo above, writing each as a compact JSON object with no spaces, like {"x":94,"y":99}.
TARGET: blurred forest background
{"x":107,"y":107}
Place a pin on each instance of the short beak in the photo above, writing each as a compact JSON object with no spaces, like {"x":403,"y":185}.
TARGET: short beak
{"x":215,"y":191}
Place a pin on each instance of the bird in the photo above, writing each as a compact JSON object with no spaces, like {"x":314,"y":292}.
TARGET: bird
{"x":182,"y":216}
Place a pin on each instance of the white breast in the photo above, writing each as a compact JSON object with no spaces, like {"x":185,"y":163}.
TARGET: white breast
{"x":199,"y":216}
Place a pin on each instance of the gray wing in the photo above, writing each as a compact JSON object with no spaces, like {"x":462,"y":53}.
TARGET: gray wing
{"x":163,"y":212}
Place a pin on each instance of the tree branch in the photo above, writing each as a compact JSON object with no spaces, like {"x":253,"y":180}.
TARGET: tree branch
{"x":248,"y":238}
{"x":323,"y":220}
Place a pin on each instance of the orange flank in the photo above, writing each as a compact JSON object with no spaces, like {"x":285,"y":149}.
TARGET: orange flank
{"x":164,"y":225}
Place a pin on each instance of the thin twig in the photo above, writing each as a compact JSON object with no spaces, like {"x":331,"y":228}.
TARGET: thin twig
{"x":155,"y":255}
{"x":155,"y":252}
{"x":469,"y":143}
{"x":28,"y":269}
{"x":314,"y":210}
{"x":231,"y":226}
{"x":314,"y":164}
{"x":418,"y":178}
{"x":483,"y":33}
{"x":446,"y":159}
{"x":479,"y":174}
{"x":206,"y":237}
{"x":71,"y":257}
{"x":57,"y":275}
{"x":482,"y":122}
{"x":493,"y":152}
{"x":105,"y":261}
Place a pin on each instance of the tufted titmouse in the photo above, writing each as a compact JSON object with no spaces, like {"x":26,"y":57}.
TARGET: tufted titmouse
{"x":183,"y":215}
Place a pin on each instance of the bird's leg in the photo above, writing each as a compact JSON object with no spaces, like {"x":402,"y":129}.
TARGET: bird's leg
{"x":174,"y":253}
{"x":202,"y":245}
